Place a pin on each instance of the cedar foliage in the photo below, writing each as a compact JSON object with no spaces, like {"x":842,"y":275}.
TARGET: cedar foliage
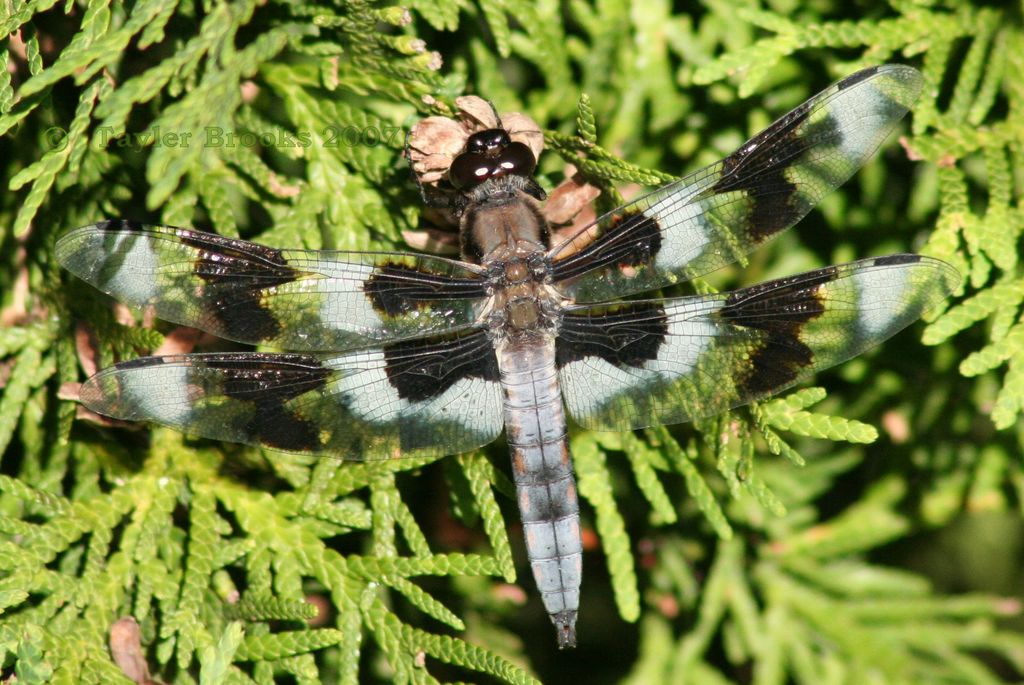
{"x":858,"y":557}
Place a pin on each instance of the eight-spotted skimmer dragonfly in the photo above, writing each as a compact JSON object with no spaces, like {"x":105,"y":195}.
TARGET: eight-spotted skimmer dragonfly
{"x":398,"y":354}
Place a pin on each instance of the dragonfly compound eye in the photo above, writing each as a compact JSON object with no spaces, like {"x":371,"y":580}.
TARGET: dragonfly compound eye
{"x":491,"y":141}
{"x":517,"y":158}
{"x":470,"y":169}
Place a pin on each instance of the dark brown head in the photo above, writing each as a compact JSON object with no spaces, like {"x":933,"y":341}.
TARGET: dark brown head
{"x":490,"y":154}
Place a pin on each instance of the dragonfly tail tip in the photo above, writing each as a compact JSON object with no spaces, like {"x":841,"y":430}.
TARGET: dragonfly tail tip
{"x":565,"y":626}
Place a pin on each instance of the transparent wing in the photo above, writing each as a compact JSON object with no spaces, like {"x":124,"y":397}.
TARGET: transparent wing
{"x":716,"y":215}
{"x":292,"y":299}
{"x":409,"y":399}
{"x":651,"y":362}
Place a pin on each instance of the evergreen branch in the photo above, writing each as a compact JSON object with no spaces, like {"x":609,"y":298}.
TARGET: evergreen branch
{"x":695,"y":484}
{"x":815,"y":425}
{"x":991,"y":356}
{"x":863,"y":527}
{"x":445,"y":648}
{"x":411,"y":530}
{"x":442,"y":16}
{"x":586,"y":127}
{"x":424,"y":602}
{"x":27,"y":373}
{"x":275,"y":646}
{"x":44,"y":172}
{"x":480,"y":475}
{"x":453,"y":564}
{"x":384,"y":501}
{"x":254,"y":608}
{"x":215,"y":660}
{"x":640,"y":459}
{"x":593,"y":480}
{"x":1010,"y":400}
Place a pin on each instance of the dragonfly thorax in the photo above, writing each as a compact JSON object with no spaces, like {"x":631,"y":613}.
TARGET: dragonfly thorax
{"x":502,"y":224}
{"x":522,"y":303}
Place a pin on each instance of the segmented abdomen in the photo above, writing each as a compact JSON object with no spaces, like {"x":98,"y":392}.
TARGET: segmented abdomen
{"x":545,"y":486}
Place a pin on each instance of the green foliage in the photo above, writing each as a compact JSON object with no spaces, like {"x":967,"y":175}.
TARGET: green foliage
{"x":285,"y":122}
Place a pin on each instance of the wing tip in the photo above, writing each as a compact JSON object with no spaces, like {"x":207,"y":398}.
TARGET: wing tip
{"x":949,"y":275}
{"x":946,"y":276}
{"x":69,"y":246}
{"x":900,"y":83}
{"x":94,"y":398}
{"x":910,"y":80}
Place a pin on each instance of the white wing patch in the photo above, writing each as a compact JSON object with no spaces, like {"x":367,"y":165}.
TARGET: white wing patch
{"x":686,"y":340}
{"x":690,"y":232}
{"x":364,"y":387}
{"x":591,"y":383}
{"x":160,"y":393}
{"x":888,"y":288}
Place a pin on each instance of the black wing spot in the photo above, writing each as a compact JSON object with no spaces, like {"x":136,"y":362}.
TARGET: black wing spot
{"x":236,"y":273}
{"x":255,"y":377}
{"x":759,"y":167}
{"x":779,"y":309}
{"x":425,"y":368}
{"x":397,"y":289}
{"x":269,"y":382}
{"x":276,"y":427}
{"x":624,"y":335}
{"x":631,"y":239}
{"x":238,"y":260}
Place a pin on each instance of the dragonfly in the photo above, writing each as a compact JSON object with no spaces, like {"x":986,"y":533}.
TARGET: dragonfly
{"x":390,"y":355}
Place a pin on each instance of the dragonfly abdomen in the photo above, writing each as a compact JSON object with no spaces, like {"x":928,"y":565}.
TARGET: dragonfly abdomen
{"x":542,"y":470}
